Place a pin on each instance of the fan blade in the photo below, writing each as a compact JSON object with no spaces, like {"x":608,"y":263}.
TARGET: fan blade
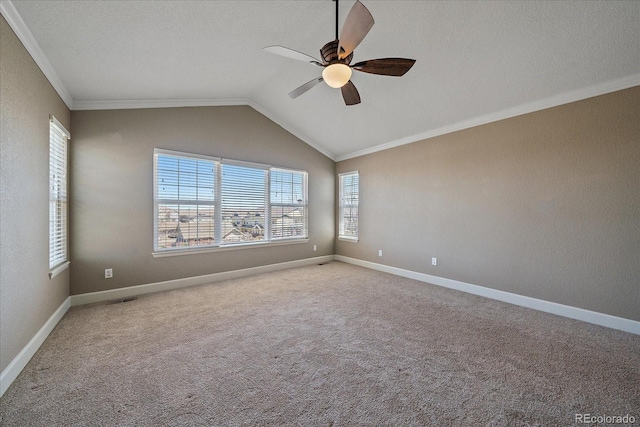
{"x":385,"y":66}
{"x":293,"y":54}
{"x":305,"y":87}
{"x":350,"y":94}
{"x":356,"y":26}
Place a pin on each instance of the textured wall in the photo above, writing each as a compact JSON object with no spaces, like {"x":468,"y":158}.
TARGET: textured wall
{"x":27,"y":297}
{"x":545,"y":205}
{"x":112,"y":194}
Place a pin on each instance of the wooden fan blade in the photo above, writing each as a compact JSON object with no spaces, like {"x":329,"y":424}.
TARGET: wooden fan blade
{"x":356,"y":26}
{"x":350,"y":94}
{"x":385,"y":66}
{"x":305,"y":87}
{"x":293,"y":54}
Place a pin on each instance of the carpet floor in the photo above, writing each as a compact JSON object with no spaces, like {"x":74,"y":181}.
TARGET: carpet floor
{"x":323,"y":345}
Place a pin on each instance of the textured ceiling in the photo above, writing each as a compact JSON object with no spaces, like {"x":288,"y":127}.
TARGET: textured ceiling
{"x":476,"y":61}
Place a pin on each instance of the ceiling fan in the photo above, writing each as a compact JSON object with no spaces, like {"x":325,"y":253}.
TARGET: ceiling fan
{"x":337,"y":56}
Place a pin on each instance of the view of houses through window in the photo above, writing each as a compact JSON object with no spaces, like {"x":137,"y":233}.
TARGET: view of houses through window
{"x":205,"y":201}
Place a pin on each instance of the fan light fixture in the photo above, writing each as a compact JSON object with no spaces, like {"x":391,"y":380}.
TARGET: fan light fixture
{"x":336,"y":75}
{"x":338,"y":53}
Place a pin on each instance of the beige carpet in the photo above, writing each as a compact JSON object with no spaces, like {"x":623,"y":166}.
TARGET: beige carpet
{"x":324,"y":345}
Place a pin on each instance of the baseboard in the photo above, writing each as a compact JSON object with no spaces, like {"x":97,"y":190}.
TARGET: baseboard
{"x":131,"y":291}
{"x":11,"y":372}
{"x":613,"y":322}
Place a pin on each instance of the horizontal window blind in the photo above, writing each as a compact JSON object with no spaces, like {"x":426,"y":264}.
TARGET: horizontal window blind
{"x":288,"y":202}
{"x":349,"y":200}
{"x":204,"y":201}
{"x":185,"y":201}
{"x":58,"y":140}
{"x":244,"y":213}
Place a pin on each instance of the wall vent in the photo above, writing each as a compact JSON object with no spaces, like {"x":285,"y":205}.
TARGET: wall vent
{"x":121,"y":300}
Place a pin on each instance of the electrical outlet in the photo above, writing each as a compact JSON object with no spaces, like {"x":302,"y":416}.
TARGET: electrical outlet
{"x":108,"y":273}
{"x":434,"y":261}
{"x":314,"y":248}
{"x":380,"y":252}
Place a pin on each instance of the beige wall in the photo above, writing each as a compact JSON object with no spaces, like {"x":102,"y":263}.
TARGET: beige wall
{"x":112,"y":194}
{"x":545,"y":205}
{"x":27,"y":297}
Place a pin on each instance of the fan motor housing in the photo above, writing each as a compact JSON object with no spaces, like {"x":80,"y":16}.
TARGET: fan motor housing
{"x":329,"y":53}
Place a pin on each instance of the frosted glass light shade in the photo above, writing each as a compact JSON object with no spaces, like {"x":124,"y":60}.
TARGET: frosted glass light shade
{"x":336,"y":75}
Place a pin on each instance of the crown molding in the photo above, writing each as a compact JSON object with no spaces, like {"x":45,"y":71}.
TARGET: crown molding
{"x":542,"y":104}
{"x":132,"y":104}
{"x":16,"y":22}
{"x":19,"y":27}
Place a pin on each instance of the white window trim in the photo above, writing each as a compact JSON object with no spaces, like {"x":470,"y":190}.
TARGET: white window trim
{"x":351,"y":239}
{"x":229,"y":247}
{"x":216,"y":204}
{"x":305,"y":204}
{"x":58,"y":269}
{"x":218,"y":246}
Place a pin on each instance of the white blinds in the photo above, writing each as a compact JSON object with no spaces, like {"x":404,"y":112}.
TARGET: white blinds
{"x":206,"y":201}
{"x":244,"y":196}
{"x":288,"y":201}
{"x":58,"y":138}
{"x":349,"y":199}
{"x":185,"y":200}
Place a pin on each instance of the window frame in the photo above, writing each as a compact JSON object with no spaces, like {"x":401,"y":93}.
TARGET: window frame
{"x":184,"y":202}
{"x":59,"y":138}
{"x":219,"y":244}
{"x":265,"y":194}
{"x":354,"y":237}
{"x":304,"y":204}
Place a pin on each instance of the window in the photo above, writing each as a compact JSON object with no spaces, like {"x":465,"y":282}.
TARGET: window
{"x":203,"y":201}
{"x":288,"y":204}
{"x":244,"y":197}
{"x":58,"y":139}
{"x":349,"y":197}
{"x":185,"y":200}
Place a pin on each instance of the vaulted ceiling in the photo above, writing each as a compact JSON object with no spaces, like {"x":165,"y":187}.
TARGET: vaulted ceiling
{"x":476,"y":61}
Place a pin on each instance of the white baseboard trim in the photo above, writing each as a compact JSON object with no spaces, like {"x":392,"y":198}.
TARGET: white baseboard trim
{"x":131,"y":291}
{"x":606,"y":320}
{"x":11,"y":372}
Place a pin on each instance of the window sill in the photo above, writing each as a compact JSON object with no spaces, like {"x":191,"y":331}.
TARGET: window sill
{"x":348,"y":239}
{"x":180,"y":252}
{"x":58,"y":269}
